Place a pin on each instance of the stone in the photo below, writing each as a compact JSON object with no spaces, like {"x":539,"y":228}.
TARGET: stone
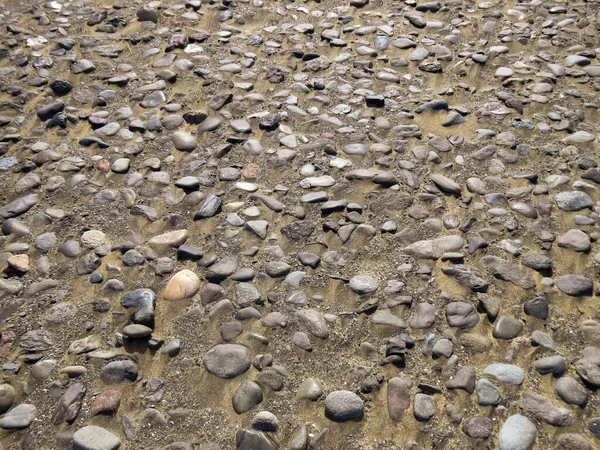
{"x":488,"y":394}
{"x":545,"y":411}
{"x":507,"y":328}
{"x":398,"y":397}
{"x":107,"y":402}
{"x":506,"y":373}
{"x":571,"y":201}
{"x":314,"y":322}
{"x":246,"y":396}
{"x":182,"y":285}
{"x":363,"y":284}
{"x":478,"y":427}
{"x":92,"y":437}
{"x":116,"y":372}
{"x":571,"y":391}
{"x":575,"y":285}
{"x":7,"y":397}
{"x":18,"y":418}
{"x":423,"y":407}
{"x":517,"y":433}
{"x":461,"y":315}
{"x":227,"y":360}
{"x":184,"y":142}
{"x":508,"y":271}
{"x":342,"y":406}
{"x":69,"y":404}
{"x":310,"y":389}
{"x":253,"y":440}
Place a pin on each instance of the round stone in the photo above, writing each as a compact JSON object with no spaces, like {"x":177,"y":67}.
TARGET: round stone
{"x":184,"y":142}
{"x":342,"y":406}
{"x":227,"y":360}
{"x":7,"y":397}
{"x":517,"y":433}
{"x":183,"y":284}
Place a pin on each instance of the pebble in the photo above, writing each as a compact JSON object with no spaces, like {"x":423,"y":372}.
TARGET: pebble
{"x":342,"y":406}
{"x":517,"y":433}
{"x":227,"y":360}
{"x":18,"y":418}
{"x":92,"y":437}
{"x":182,"y":285}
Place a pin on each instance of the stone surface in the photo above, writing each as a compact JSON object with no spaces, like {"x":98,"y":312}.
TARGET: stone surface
{"x":342,"y":406}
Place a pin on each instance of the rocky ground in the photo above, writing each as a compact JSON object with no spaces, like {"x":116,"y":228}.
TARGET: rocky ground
{"x":338,"y":225}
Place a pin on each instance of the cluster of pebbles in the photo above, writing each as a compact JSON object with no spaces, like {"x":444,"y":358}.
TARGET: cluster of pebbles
{"x":260,"y":225}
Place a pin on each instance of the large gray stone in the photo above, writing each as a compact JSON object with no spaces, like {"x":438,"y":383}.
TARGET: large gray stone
{"x":227,"y":360}
{"x":95,"y":438}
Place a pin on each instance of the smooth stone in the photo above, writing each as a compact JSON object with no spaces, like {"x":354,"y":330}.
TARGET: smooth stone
{"x":7,"y":397}
{"x":423,"y":407}
{"x":507,"y":328}
{"x":116,"y":372}
{"x":246,"y":397}
{"x":488,"y":393}
{"x":310,"y":389}
{"x":184,"y":141}
{"x":182,"y":285}
{"x":342,"y":406}
{"x":18,"y":418}
{"x":93,"y":437}
{"x":227,"y":360}
{"x":571,"y":391}
{"x":517,"y":433}
{"x":506,"y":373}
{"x":575,"y":285}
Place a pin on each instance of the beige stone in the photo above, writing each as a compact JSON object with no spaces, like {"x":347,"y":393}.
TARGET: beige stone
{"x":20,"y":263}
{"x":182,"y":285}
{"x":172,"y":239}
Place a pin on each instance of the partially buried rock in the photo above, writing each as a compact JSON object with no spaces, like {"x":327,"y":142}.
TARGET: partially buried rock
{"x":246,"y":397}
{"x":342,"y":406}
{"x":478,"y":427}
{"x":423,"y":407}
{"x":575,"y":285}
{"x":107,"y":402}
{"x":227,"y":360}
{"x":314,"y":321}
{"x":184,"y":142}
{"x":116,"y":372}
{"x":69,"y":404}
{"x":182,"y":285}
{"x":398,"y":397}
{"x":253,"y":440}
{"x":95,"y":438}
{"x":18,"y":418}
{"x":517,"y":433}
{"x":363,"y":284}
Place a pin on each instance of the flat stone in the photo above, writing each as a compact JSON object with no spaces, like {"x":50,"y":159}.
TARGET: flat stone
{"x":18,"y":418}
{"x":227,"y":360}
{"x":506,"y":373}
{"x":93,"y":437}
